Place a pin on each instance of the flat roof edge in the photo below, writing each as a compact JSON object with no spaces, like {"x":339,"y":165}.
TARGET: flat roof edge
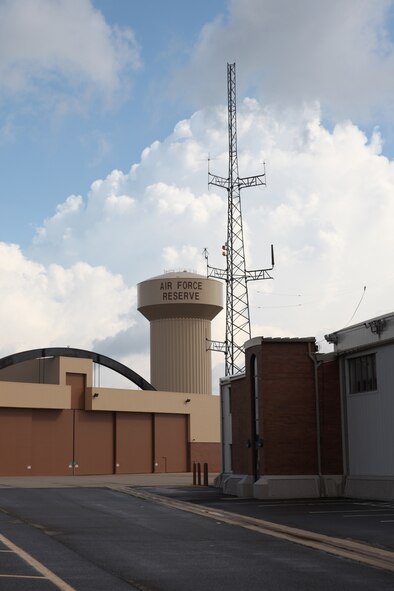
{"x":259,"y":340}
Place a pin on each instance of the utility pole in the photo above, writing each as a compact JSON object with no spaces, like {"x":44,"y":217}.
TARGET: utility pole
{"x":235,"y":275}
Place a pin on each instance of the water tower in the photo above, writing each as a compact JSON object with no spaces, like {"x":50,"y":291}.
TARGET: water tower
{"x":180,"y":307}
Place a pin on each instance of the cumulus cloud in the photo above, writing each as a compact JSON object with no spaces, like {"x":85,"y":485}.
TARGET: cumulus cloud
{"x":55,"y":48}
{"x":328,"y":203}
{"x":327,"y":208}
{"x":139,"y":223}
{"x":339,"y":52}
{"x":52,"y":305}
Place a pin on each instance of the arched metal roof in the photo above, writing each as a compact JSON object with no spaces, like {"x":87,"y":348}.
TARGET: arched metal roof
{"x":81,"y":354}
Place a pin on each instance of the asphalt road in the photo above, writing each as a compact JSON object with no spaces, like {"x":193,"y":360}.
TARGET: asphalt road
{"x":100,"y":539}
{"x":366,"y":521}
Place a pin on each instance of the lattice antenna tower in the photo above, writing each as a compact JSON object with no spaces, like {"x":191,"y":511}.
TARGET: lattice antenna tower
{"x":235,"y":275}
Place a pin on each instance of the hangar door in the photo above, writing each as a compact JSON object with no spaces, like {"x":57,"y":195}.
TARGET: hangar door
{"x":171,"y":447}
{"x":134,"y":443}
{"x":93,"y":442}
{"x":35,"y":442}
{"x":66,"y":442}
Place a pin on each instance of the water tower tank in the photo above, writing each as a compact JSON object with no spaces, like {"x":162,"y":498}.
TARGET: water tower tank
{"x":180,"y":307}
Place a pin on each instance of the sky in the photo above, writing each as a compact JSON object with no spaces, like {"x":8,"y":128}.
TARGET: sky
{"x":108,"y":112}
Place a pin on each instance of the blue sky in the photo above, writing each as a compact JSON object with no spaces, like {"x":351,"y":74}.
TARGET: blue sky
{"x":108,"y":110}
{"x":46,"y":156}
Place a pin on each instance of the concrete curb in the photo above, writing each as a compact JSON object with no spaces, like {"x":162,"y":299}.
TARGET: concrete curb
{"x":345,"y":548}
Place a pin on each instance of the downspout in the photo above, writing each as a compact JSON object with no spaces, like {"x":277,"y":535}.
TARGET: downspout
{"x":344,"y":422}
{"x":316,"y":365}
{"x":258,"y":443}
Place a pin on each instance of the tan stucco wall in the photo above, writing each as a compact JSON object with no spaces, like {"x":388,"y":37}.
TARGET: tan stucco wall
{"x":24,"y":395}
{"x":47,"y":370}
{"x":75,"y":365}
{"x":204,"y":411}
{"x":35,"y":371}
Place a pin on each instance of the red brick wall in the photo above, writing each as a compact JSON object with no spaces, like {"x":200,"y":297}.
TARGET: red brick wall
{"x":241,"y":427}
{"x":287,"y":407}
{"x":330,"y":417}
{"x":286,"y":384}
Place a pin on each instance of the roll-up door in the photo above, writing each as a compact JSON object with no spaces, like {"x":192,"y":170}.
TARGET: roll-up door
{"x":15,"y":438}
{"x":134,"y":443}
{"x":94,"y":442}
{"x":171,"y":443}
{"x":52,"y":442}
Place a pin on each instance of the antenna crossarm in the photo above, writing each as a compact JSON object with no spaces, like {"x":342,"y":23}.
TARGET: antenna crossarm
{"x":257,"y":274}
{"x":219,"y":181}
{"x":253,"y":275}
{"x":219,"y":346}
{"x":216,"y":272}
{"x":251,"y":181}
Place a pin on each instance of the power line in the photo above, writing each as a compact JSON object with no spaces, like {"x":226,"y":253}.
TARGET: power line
{"x":358,"y":305}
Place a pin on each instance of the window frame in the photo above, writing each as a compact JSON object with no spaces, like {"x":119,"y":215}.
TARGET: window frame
{"x":362,"y":374}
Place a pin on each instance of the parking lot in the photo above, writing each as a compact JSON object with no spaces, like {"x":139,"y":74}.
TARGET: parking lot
{"x":368,"y":521}
{"x":19,"y":571}
{"x":88,"y":535}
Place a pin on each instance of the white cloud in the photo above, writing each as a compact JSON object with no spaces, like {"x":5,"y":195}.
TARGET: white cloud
{"x":51,"y":305}
{"x":62,"y":46}
{"x":328,"y":206}
{"x":339,"y":52}
{"x":327,"y":209}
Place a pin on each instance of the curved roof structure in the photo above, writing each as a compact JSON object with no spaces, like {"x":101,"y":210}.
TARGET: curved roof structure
{"x":81,"y":354}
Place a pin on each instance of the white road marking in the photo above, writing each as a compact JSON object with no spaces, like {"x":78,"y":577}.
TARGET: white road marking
{"x":38,"y":566}
{"x":299,"y":504}
{"x":371,"y":515}
{"x":41,"y":577}
{"x":348,"y":511}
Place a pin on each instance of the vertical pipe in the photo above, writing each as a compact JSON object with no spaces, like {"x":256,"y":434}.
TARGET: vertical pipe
{"x":344,"y":419}
{"x":205,"y":474}
{"x":317,"y":406}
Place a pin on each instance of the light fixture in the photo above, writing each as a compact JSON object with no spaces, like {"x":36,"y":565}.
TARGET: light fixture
{"x":376,"y":326}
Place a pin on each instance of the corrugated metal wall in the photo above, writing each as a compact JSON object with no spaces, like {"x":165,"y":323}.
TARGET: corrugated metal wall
{"x":370,"y":420}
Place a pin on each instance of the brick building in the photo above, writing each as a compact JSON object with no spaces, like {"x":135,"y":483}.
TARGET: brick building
{"x":303,"y":424}
{"x":285,"y":415}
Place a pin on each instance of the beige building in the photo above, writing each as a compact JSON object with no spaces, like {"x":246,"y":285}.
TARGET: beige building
{"x":55,"y":421}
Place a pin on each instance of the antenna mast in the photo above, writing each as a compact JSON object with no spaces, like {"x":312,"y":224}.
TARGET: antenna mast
{"x":235,"y":275}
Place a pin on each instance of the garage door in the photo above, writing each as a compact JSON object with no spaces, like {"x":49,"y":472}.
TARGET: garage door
{"x":134,"y":443}
{"x":94,"y":442}
{"x":171,"y":447}
{"x":15,"y":437}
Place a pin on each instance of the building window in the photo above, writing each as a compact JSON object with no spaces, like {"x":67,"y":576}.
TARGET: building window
{"x":362,"y":374}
